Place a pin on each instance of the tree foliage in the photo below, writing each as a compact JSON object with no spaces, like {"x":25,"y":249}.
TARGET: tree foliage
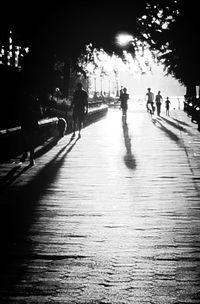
{"x":171,"y":29}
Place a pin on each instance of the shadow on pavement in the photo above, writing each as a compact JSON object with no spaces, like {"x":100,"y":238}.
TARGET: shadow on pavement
{"x":19,"y":169}
{"x":17,"y":214}
{"x":181,"y":122}
{"x":169,"y":133}
{"x":129,"y":158}
{"x":51,"y":143}
{"x":12,"y":175}
{"x":174,"y":124}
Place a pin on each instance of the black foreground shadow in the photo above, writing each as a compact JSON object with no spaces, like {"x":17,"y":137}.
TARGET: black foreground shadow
{"x":19,"y":169}
{"x":17,"y":213}
{"x":12,"y":175}
{"x":47,"y":147}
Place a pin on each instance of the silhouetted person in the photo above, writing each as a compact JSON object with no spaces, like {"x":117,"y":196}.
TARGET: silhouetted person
{"x":167,"y":104}
{"x":124,"y":102}
{"x":80,"y":107}
{"x":158,"y":101}
{"x":29,"y":127}
{"x":149,"y":97}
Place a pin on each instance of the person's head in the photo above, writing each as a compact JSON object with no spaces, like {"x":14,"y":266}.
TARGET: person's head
{"x":158,"y":92}
{"x":167,"y":98}
{"x":79,"y":85}
{"x":125,"y":90}
{"x":149,"y":89}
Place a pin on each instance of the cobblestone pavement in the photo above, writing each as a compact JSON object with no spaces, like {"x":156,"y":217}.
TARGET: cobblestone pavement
{"x":112,"y":217}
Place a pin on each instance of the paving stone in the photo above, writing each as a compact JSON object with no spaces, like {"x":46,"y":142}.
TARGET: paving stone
{"x":112,"y":217}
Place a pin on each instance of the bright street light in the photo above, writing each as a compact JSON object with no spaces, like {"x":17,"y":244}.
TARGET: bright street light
{"x":123,"y":39}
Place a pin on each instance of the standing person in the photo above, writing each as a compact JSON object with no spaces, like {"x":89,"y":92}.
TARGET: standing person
{"x":158,"y":101}
{"x":80,"y":107}
{"x":124,"y":102}
{"x":149,"y":97}
{"x":29,"y":128}
{"x":167,"y":103}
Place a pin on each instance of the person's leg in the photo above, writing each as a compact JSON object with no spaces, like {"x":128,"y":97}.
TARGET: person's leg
{"x":79,"y":125}
{"x":25,"y":149}
{"x":80,"y":122}
{"x":158,"y":110}
{"x":153,"y":108}
{"x":24,"y":155}
{"x":74,"y":122}
{"x":32,"y":144}
{"x":32,"y":161}
{"x":125,"y":114}
{"x":74,"y":126}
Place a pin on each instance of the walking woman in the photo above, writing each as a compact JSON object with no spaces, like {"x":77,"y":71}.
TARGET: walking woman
{"x":80,"y":107}
{"x":124,"y":97}
{"x":158,"y":100}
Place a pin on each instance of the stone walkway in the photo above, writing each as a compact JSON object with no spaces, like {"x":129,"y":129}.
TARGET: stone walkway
{"x":112,"y":217}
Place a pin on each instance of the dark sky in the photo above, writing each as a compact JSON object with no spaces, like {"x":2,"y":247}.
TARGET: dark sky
{"x":63,"y":28}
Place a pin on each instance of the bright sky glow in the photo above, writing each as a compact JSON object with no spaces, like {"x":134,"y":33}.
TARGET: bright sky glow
{"x":107,"y":73}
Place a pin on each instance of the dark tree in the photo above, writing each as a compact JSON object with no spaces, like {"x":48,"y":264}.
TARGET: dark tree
{"x":171,"y":27}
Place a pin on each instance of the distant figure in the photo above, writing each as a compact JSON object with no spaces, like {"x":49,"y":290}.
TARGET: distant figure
{"x":80,"y":107}
{"x":167,"y":103}
{"x":158,"y":101}
{"x":149,"y":97}
{"x":57,"y":94}
{"x":29,"y":127}
{"x":124,"y":102}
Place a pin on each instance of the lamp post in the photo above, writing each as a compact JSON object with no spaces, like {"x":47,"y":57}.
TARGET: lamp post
{"x":101,"y":79}
{"x":116,"y":81}
{"x":117,"y":93}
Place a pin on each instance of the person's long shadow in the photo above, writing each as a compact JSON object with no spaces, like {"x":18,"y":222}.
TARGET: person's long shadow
{"x":12,"y":175}
{"x":129,"y":158}
{"x":181,"y":122}
{"x":17,"y":213}
{"x":18,"y":170}
{"x":174,"y":124}
{"x":45,"y":148}
{"x":168,"y":132}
